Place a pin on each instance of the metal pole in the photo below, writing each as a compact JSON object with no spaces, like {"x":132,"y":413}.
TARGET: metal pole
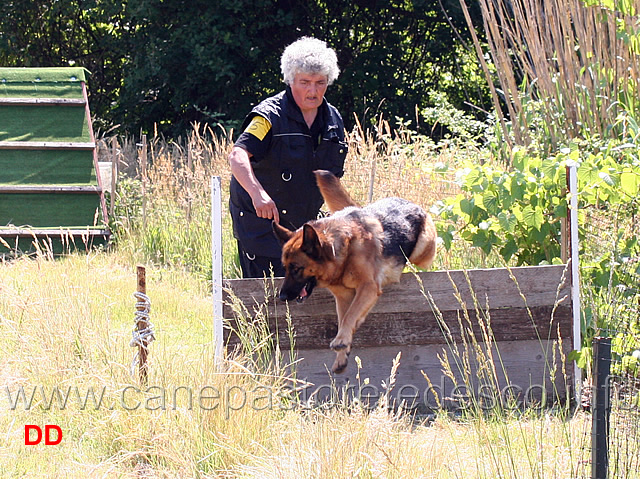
{"x":216,"y":250}
{"x":600,"y":408}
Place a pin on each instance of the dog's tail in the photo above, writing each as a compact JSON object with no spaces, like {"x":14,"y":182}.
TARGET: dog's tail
{"x":334,"y":194}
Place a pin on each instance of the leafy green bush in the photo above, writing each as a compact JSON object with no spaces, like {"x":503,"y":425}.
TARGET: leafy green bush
{"x":516,"y":210}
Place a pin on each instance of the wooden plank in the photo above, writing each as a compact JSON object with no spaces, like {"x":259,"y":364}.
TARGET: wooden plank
{"x":43,"y":101}
{"x":82,"y":189}
{"x":96,"y":166}
{"x":531,"y":371}
{"x":9,"y":232}
{"x":525,"y":303}
{"x":45,"y":145}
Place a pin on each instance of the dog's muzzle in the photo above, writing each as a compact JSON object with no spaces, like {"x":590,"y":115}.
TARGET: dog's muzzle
{"x":300,"y":294}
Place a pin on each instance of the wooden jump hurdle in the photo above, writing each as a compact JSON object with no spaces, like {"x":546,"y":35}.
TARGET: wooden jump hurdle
{"x":519,"y":319}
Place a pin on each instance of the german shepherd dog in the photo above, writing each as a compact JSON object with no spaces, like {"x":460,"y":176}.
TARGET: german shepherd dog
{"x":354,"y":253}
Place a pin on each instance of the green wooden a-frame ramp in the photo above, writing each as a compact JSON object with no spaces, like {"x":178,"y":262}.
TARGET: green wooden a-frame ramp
{"x":49,"y":177}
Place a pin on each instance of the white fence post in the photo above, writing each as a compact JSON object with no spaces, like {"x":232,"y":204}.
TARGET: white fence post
{"x":216,"y":256}
{"x":575,"y":274}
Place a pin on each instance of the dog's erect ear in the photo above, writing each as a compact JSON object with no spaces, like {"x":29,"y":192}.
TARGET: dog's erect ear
{"x":310,"y":242}
{"x":282,"y":233}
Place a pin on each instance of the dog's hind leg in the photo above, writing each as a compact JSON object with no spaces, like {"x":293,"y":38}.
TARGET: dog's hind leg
{"x":425,"y":249}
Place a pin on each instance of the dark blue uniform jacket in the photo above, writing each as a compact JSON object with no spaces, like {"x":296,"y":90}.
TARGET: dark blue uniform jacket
{"x":286,"y":171}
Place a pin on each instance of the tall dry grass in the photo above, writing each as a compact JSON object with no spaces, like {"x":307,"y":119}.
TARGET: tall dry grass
{"x":66,"y":324}
{"x":162,"y":201}
{"x":566,"y":68}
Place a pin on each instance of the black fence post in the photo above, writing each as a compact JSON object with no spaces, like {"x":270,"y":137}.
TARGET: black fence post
{"x":600,"y":408}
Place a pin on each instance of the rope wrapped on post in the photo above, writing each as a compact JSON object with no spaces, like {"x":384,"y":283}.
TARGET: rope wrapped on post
{"x":143,"y":333}
{"x":142,"y":337}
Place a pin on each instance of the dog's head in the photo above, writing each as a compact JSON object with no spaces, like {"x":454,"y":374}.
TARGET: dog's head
{"x":303,"y":254}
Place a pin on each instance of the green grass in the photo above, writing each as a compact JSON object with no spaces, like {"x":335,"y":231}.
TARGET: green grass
{"x":67,"y":324}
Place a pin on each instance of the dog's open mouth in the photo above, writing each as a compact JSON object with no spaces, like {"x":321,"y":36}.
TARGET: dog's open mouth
{"x":306,"y":290}
{"x":303,"y":294}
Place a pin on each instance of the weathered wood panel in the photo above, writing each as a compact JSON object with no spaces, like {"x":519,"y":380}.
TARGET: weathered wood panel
{"x":528,"y":372}
{"x":498,"y":329}
{"x":514,"y":304}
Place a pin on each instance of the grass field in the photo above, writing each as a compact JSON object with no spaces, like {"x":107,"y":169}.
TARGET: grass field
{"x":65,"y":329}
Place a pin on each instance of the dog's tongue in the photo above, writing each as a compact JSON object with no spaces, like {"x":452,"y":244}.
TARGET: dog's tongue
{"x":303,"y":293}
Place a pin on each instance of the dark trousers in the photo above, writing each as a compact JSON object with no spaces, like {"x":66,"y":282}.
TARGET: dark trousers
{"x":254,"y":266}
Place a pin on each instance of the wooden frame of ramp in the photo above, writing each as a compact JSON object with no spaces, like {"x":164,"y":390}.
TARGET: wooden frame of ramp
{"x":505,"y":333}
{"x":50,"y":188}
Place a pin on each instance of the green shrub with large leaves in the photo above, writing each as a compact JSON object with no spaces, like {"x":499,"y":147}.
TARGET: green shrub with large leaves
{"x":516,"y":210}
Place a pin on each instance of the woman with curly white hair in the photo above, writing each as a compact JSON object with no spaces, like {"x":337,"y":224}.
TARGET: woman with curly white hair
{"x":284,"y":139}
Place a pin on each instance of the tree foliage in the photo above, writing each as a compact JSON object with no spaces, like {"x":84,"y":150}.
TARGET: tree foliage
{"x":70,"y":32}
{"x":167,"y":63}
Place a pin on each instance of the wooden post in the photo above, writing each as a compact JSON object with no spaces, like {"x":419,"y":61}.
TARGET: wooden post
{"x":114,"y":174}
{"x":143,"y":173}
{"x":96,"y":165}
{"x":142,"y":324}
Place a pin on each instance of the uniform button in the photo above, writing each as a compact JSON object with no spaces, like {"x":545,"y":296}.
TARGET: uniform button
{"x":284,"y":212}
{"x":242,"y":213}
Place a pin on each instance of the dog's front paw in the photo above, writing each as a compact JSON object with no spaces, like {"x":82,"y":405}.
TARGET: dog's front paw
{"x":340,"y":344}
{"x":340,"y":364}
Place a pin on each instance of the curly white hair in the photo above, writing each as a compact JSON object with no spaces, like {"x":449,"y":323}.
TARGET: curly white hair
{"x":310,"y":56}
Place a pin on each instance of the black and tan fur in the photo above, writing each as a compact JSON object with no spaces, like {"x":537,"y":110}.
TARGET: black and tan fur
{"x":354,"y":253}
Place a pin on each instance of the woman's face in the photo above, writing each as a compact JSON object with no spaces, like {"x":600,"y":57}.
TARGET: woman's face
{"x":308,"y":90}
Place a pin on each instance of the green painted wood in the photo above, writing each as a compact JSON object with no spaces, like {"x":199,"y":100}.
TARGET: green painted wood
{"x":43,"y":123}
{"x":48,"y":167}
{"x":42,"y":167}
{"x":42,"y":82}
{"x":54,"y":209}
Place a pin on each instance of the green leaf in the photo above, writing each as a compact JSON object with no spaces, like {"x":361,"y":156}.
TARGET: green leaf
{"x":550,"y":168}
{"x":446,"y":235}
{"x":533,"y":217}
{"x":607,"y":178}
{"x":472,"y":181}
{"x":490,"y":202}
{"x":508,"y":221}
{"x":508,"y":250}
{"x":630,"y":183}
{"x":518,"y":187}
{"x":560,"y":211}
{"x":466,"y":206}
{"x":588,"y":174}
